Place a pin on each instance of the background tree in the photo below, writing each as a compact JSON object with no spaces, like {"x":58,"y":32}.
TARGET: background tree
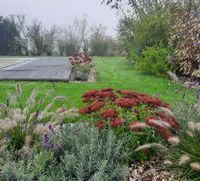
{"x":98,"y":41}
{"x":49,"y":40}
{"x":22,"y":28}
{"x":36,"y":38}
{"x":74,"y":37}
{"x":9,"y":37}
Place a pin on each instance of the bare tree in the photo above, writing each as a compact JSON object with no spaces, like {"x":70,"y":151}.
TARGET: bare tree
{"x":49,"y":39}
{"x":42,"y":40}
{"x":36,"y":38}
{"x":22,"y":28}
{"x":74,"y":37}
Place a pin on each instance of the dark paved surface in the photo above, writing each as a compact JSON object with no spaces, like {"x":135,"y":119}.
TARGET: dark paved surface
{"x":46,"y":69}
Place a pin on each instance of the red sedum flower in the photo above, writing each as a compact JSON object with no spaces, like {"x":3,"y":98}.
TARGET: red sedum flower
{"x":107,"y":89}
{"x":125,"y":103}
{"x":96,"y":106}
{"x":85,"y":110}
{"x":116,"y":122}
{"x":109,"y":113}
{"x":100,"y":124}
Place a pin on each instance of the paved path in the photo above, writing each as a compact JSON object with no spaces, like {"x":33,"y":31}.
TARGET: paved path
{"x":46,"y":69}
{"x":5,"y":62}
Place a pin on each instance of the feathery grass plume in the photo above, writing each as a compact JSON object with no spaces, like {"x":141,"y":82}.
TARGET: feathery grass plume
{"x":44,"y":115}
{"x":58,"y":98}
{"x":3,"y":106}
{"x":138,"y":125}
{"x":167,"y":162}
{"x":195,"y":166}
{"x":197,"y":107}
{"x":40,"y":101}
{"x":183,"y":159}
{"x":26,"y":110}
{"x":48,"y":107}
{"x":150,"y":145}
{"x":160,"y":122}
{"x":18,"y":89}
{"x":17,"y":115}
{"x":190,"y":133}
{"x":191,"y":125}
{"x":198,"y":126}
{"x":7,"y":125}
{"x":2,"y":149}
{"x":28,"y":140}
{"x":61,"y":109}
{"x":40,"y":129}
{"x":167,"y":111}
{"x":31,"y":99}
{"x":174,"y":140}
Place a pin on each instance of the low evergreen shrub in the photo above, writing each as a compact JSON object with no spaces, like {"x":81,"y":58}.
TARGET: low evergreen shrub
{"x":154,"y":61}
{"x":84,"y":153}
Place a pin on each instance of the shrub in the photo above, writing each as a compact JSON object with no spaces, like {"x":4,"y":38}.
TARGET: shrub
{"x":85,"y":154}
{"x":81,"y":72}
{"x":132,"y":113}
{"x":154,"y":61}
{"x":82,"y":65}
{"x":185,"y":42}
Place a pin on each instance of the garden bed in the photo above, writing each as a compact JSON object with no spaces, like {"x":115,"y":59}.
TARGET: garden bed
{"x":83,"y":69}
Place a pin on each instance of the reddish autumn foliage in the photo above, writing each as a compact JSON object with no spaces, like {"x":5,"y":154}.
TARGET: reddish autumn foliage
{"x":80,"y":58}
{"x":109,"y":113}
{"x":100,"y":124}
{"x":150,"y":101}
{"x":85,"y":110}
{"x":105,"y":96}
{"x":116,"y":122}
{"x":131,"y":102}
{"x":96,"y":106}
{"x":107,"y":89}
{"x":125,"y":103}
{"x":90,"y":93}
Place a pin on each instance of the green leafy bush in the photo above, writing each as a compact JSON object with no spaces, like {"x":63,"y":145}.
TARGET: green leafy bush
{"x":154,"y":61}
{"x":85,"y":154}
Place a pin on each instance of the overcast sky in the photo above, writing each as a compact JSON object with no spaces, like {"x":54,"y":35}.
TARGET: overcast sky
{"x":62,"y":12}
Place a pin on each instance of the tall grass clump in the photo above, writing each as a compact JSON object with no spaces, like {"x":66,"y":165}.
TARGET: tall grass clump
{"x":185,"y":157}
{"x":22,"y":124}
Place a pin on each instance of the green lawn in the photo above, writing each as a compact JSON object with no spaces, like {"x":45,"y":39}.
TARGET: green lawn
{"x":113,"y":72}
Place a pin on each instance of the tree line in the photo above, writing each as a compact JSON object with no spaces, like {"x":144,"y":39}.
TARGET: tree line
{"x":19,"y":38}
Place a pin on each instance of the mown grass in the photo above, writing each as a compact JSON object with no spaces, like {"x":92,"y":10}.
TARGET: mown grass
{"x":114,"y":72}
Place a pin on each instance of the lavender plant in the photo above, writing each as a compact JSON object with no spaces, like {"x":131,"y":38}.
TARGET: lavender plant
{"x":85,"y":153}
